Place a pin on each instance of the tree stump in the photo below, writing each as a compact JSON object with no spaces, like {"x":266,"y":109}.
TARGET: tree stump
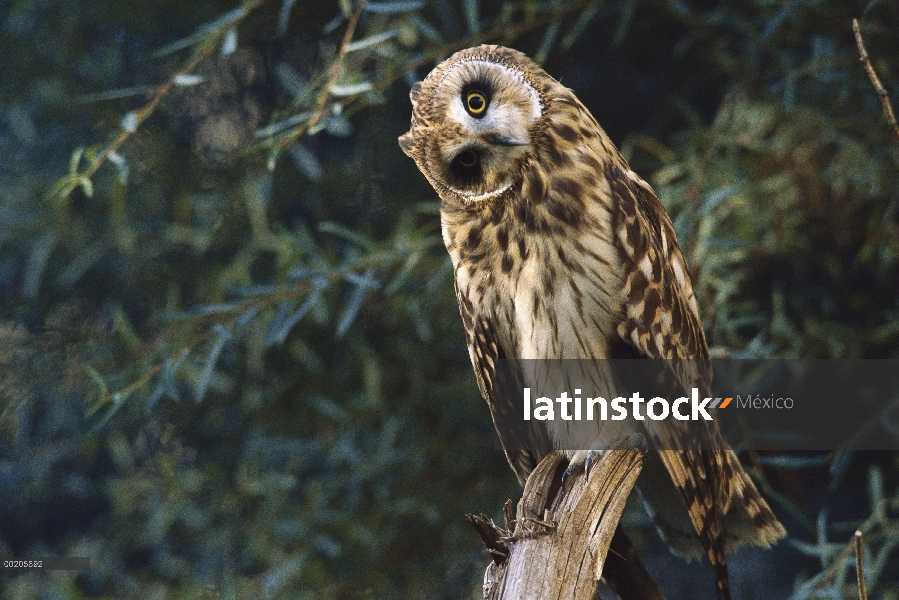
{"x":557,"y":543}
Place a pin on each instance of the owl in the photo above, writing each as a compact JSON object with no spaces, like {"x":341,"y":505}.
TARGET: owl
{"x":561,"y":251}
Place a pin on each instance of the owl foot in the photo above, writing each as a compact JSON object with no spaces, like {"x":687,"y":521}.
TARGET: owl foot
{"x":581,"y":462}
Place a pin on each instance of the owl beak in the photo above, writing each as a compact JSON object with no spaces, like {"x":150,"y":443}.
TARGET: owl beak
{"x":504,"y":140}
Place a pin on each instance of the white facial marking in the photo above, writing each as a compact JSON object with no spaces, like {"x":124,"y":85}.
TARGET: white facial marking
{"x":493,"y":120}
{"x":510,"y":113}
{"x":481,"y":197}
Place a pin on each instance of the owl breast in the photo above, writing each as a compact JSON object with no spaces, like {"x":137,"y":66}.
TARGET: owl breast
{"x":540,"y":263}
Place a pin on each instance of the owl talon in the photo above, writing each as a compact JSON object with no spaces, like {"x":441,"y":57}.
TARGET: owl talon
{"x":569,"y":472}
{"x":592,"y":457}
{"x":581,"y":463}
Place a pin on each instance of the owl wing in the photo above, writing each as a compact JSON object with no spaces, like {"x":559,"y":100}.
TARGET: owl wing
{"x":662,"y":321}
{"x":524,"y":444}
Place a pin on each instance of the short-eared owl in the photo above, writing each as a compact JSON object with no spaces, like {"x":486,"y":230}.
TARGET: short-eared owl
{"x":561,"y":251}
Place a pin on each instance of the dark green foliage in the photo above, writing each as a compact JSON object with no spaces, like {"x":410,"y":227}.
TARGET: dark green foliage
{"x":230,"y":358}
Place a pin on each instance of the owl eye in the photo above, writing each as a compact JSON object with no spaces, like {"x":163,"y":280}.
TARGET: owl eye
{"x":467,"y":166}
{"x":476,"y":103}
{"x":467,"y":159}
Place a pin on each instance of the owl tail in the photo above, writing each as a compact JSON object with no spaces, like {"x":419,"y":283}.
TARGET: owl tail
{"x":710,"y":526}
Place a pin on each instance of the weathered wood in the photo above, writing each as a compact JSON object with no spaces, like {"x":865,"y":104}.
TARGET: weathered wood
{"x":560,"y":536}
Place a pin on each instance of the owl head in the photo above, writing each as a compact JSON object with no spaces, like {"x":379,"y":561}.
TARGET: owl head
{"x":475,"y":121}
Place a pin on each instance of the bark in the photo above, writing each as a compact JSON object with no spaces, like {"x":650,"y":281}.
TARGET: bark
{"x":556,"y":545}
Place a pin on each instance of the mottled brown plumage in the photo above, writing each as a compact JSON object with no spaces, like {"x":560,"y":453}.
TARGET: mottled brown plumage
{"x":561,"y":251}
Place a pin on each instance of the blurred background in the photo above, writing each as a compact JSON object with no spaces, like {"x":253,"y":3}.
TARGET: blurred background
{"x":231,"y":362}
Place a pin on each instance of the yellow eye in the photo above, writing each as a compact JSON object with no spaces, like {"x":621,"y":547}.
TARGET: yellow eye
{"x":468,"y":159}
{"x":476,"y":103}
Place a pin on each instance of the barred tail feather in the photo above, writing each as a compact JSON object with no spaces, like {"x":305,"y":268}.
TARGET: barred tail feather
{"x":748,"y":519}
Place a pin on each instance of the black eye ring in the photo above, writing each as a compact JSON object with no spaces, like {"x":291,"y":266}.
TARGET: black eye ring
{"x":476,"y":103}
